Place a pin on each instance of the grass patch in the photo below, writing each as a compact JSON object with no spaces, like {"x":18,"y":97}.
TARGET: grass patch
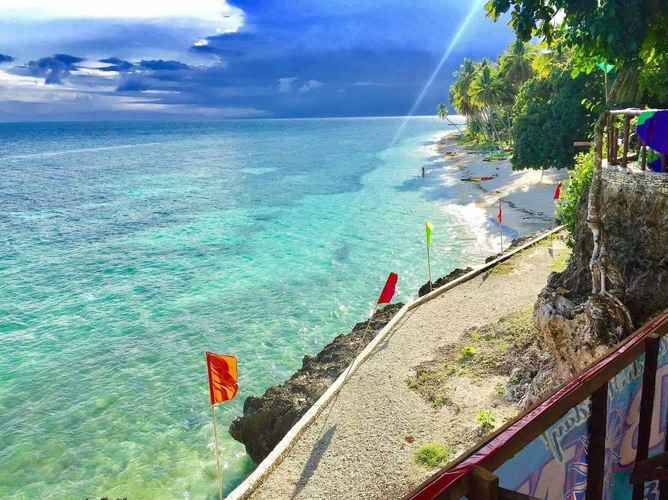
{"x":560,"y":261}
{"x":489,"y":350}
{"x":486,"y":420}
{"x":504,"y":268}
{"x":468,"y":352}
{"x":432,"y":455}
{"x":498,"y":155}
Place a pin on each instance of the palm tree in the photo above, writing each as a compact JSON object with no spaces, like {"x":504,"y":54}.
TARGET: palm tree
{"x":486,"y":93}
{"x":515,"y":64}
{"x":442,"y":111}
{"x":460,"y":95}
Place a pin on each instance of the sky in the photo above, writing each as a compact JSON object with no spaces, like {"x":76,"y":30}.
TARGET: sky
{"x":215,"y":59}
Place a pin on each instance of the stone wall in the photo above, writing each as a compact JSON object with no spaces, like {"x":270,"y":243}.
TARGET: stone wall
{"x":635,"y":229}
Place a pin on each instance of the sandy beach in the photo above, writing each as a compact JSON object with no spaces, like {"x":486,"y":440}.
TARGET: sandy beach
{"x":526,"y":196}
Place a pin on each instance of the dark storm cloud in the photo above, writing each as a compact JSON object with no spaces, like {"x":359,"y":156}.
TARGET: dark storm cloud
{"x":368,"y":58}
{"x":160,"y":65}
{"x":53,"y":69}
{"x":116,"y":64}
{"x":297,"y":58}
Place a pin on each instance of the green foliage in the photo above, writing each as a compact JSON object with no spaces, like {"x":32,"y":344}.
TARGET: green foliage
{"x":486,"y":420}
{"x":432,"y":454}
{"x":613,"y":31}
{"x":468,"y":352}
{"x":629,"y":34}
{"x":576,"y":187}
{"x":484,"y":92}
{"x":442,"y":111}
{"x":549,"y":116}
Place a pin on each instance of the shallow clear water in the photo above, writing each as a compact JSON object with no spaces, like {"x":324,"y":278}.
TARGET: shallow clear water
{"x":128,"y":249}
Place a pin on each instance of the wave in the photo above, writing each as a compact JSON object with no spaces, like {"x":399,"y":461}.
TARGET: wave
{"x":47,"y":154}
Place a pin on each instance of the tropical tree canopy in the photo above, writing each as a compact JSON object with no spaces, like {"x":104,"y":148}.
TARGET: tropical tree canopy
{"x":610,"y":30}
{"x":630,"y":34}
{"x":484,"y":92}
{"x":548,"y":117}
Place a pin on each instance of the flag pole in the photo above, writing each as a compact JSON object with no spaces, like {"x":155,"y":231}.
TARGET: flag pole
{"x":429,"y":267}
{"x":501,"y":225}
{"x":428,"y":231}
{"x":215,"y":440}
{"x":345,"y":376}
{"x":385,"y":300}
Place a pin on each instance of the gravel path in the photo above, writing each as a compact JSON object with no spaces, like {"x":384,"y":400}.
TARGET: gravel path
{"x":362,"y":445}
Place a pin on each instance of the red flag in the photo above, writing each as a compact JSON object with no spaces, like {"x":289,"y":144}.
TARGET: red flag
{"x":389,"y":289}
{"x":499,"y":215}
{"x":557,"y":192}
{"x":223,"y":377}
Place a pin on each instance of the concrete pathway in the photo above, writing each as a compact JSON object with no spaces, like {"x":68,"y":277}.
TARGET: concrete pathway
{"x":362,"y":445}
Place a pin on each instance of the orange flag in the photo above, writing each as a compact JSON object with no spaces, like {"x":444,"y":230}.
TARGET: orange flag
{"x":223,"y":377}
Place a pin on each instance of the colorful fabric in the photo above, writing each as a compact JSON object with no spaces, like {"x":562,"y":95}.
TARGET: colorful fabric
{"x":389,"y":289}
{"x":644,"y":116}
{"x":499,"y":215}
{"x":428,"y":230}
{"x":557,"y":192}
{"x":653,"y":131}
{"x":223,"y":377}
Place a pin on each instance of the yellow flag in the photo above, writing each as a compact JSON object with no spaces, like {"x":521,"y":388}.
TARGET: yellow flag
{"x":428,"y":230}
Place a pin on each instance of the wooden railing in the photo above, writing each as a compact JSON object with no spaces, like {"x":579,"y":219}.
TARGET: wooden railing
{"x":622,"y":134}
{"x":473,"y":475}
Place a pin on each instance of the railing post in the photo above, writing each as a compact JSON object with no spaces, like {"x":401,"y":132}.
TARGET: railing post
{"x":609,"y":134}
{"x":627,"y":131}
{"x":646,"y":407}
{"x":643,"y":165}
{"x":484,"y":485}
{"x":597,"y":424}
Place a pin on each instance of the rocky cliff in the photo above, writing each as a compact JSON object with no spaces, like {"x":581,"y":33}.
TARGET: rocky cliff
{"x":576,"y":329}
{"x":268,"y":418}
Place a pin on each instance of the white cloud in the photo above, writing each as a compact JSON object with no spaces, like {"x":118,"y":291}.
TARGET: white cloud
{"x":370,"y":84}
{"x":285,"y":84}
{"x":310,"y":85}
{"x":211,"y":10}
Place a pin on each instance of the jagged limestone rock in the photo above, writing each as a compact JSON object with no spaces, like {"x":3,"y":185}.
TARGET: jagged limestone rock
{"x":444,"y":280}
{"x":268,"y":418}
{"x":576,"y":326}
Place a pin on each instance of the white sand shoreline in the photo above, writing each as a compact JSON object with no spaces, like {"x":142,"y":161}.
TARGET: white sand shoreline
{"x":526,"y":196}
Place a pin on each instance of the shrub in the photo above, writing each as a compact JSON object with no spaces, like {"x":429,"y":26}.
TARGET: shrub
{"x":548,"y":117}
{"x":576,"y":187}
{"x":468,"y":352}
{"x":432,"y":454}
{"x":486,"y":419}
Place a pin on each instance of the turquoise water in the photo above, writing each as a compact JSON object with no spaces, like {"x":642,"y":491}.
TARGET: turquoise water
{"x":128,"y":249}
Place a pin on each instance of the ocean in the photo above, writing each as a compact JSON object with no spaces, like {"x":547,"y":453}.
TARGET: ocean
{"x":129,"y":249}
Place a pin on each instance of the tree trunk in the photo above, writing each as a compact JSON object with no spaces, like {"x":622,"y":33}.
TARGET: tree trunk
{"x":594,"y":210}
